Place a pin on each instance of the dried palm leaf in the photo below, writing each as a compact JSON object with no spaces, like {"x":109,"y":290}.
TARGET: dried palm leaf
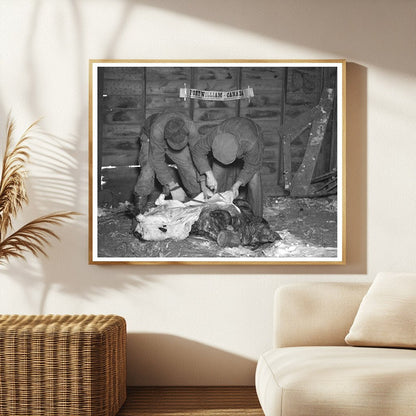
{"x":33,"y":237}
{"x":12,"y":183}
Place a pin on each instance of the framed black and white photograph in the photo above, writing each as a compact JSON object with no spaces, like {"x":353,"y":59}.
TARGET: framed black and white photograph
{"x":217,"y":162}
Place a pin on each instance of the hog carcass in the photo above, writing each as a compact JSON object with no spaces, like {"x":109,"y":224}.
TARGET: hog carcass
{"x":173,"y":219}
{"x":218,"y":218}
{"x":234,"y":225}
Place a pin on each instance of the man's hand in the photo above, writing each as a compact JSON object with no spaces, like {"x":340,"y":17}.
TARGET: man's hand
{"x":206,"y":191}
{"x":211,"y":181}
{"x":235,"y":188}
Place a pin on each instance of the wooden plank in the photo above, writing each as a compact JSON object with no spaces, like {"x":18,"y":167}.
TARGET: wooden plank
{"x":112,"y":102}
{"x":304,"y":80}
{"x":213,"y":104}
{"x":160,"y":101}
{"x":170,"y":86}
{"x":333,"y":163}
{"x":144,"y":95}
{"x":239,"y":74}
{"x":271,"y":139}
{"x":290,"y":131}
{"x":123,"y":116}
{"x":287,"y":162}
{"x":281,"y":177}
{"x":119,"y":152}
{"x":268,"y":125}
{"x":263,"y":80}
{"x":167,"y":73}
{"x":217,"y":85}
{"x":268,"y":99}
{"x":294,"y":127}
{"x":328,"y":175}
{"x":191,"y":401}
{"x":324,"y":157}
{"x":122,"y":87}
{"x":330,"y":78}
{"x":269,"y":113}
{"x":100,"y":114}
{"x":269,"y":155}
{"x":214,"y":114}
{"x":165,"y":82}
{"x":192,"y":104}
{"x":120,"y":131}
{"x":298,"y":151}
{"x":262,"y":72}
{"x":184,"y":108}
{"x":294,"y":111}
{"x":269,"y":169}
{"x":216,"y":73}
{"x":302,"y":179}
{"x":301,"y":98}
{"x":126,"y":73}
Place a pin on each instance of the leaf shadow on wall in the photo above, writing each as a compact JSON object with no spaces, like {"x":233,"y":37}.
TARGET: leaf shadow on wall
{"x":53,"y":187}
{"x":336,"y":27}
{"x":79,"y":82}
{"x":163,"y":359}
{"x":54,"y":184}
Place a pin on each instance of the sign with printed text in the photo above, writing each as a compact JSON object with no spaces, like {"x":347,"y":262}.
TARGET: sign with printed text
{"x":246,"y":93}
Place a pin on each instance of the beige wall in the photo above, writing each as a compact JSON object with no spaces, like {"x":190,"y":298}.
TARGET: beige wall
{"x":204,"y":325}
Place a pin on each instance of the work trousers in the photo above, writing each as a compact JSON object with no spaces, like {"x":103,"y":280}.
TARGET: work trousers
{"x":226,"y":176}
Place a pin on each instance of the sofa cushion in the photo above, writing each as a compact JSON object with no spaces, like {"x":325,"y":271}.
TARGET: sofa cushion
{"x":315,"y":314}
{"x":387,"y":314}
{"x":341,"y":381}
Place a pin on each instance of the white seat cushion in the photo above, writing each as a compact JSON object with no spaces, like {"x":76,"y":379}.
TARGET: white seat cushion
{"x":337,"y":381}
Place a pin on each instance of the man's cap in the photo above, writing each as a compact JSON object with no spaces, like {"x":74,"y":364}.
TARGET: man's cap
{"x":225,"y":148}
{"x":176,"y":133}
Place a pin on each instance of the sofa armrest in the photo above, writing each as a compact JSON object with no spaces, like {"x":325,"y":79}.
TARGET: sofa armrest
{"x":308,"y":314}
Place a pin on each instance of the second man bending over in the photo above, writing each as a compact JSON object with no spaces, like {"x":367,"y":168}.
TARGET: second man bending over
{"x":237,"y":149}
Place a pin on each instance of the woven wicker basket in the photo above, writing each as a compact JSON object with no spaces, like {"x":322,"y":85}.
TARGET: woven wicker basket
{"x":54,"y":365}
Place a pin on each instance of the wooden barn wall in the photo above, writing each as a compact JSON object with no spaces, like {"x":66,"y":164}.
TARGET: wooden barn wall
{"x":162,"y":89}
{"x":123,"y":112}
{"x":266,"y":110}
{"x":130,"y":94}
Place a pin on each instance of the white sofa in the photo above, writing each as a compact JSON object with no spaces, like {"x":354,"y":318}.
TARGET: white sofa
{"x":311,"y":371}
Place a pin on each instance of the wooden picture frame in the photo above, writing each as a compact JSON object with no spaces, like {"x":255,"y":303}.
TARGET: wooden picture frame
{"x":299,"y":108}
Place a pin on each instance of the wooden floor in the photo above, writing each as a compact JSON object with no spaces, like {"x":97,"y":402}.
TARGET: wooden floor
{"x":187,"y":401}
